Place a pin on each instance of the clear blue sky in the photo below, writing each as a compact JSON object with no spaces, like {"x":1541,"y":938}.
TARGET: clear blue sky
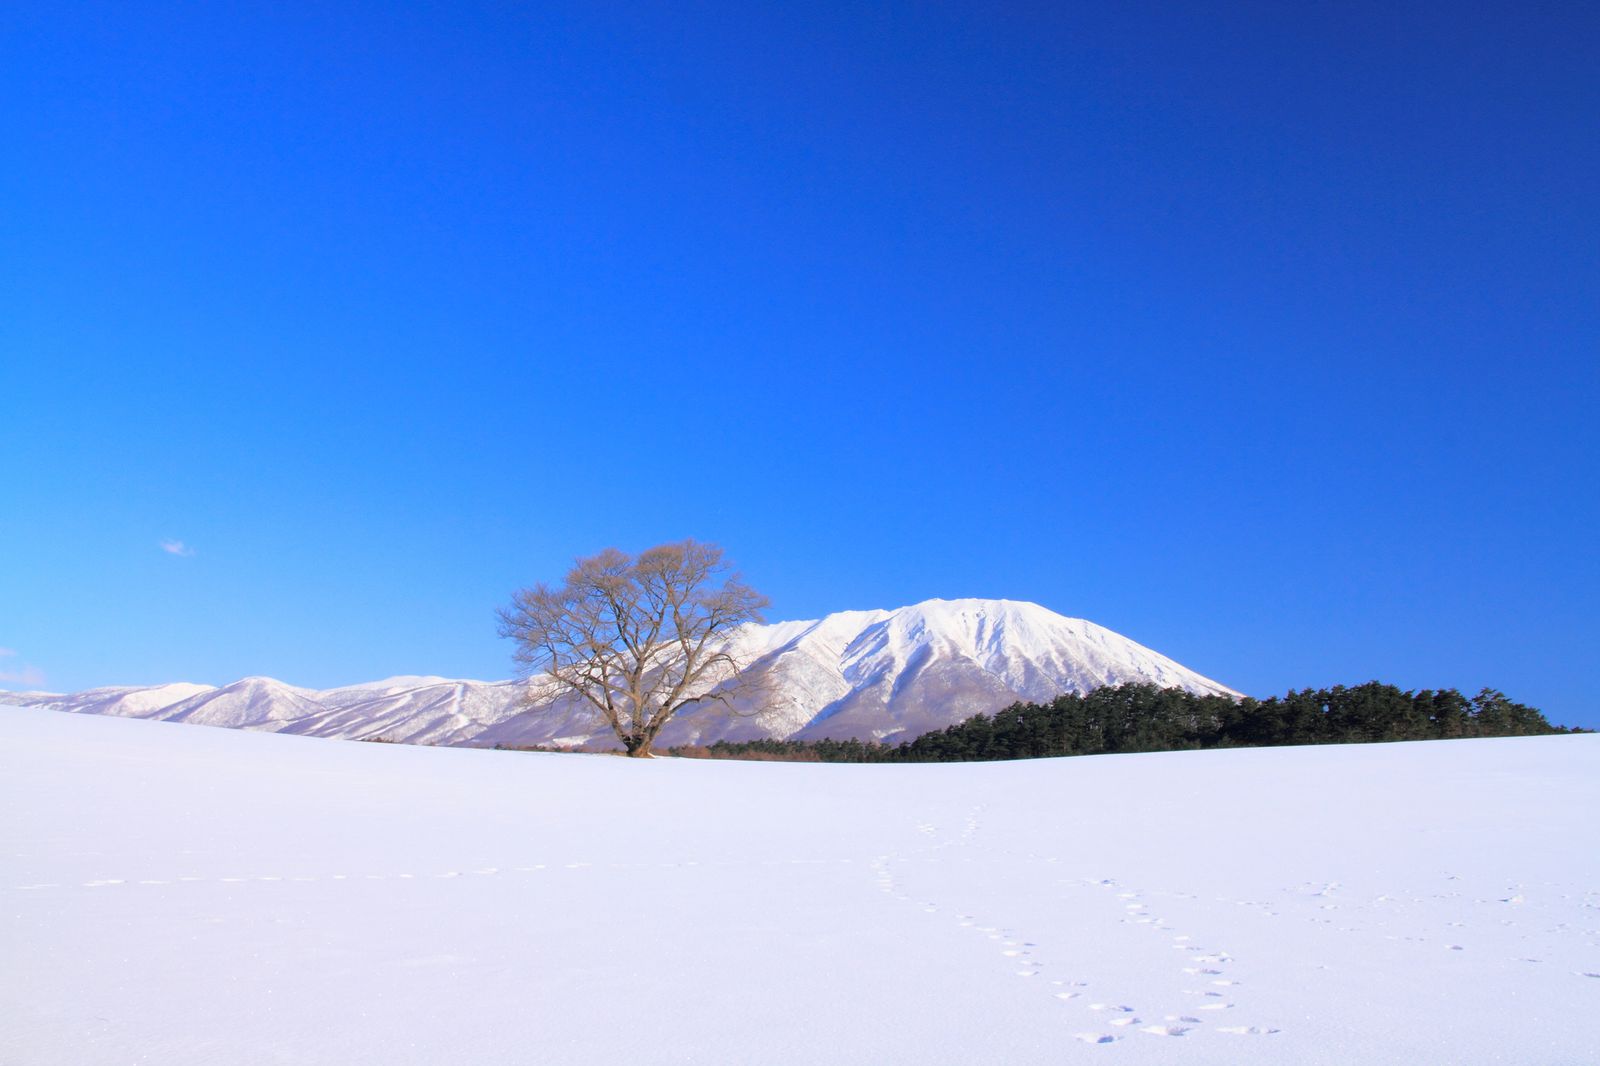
{"x":1264,"y":334}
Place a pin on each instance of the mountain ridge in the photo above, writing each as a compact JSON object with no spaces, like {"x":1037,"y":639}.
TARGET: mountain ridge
{"x":874,"y":674}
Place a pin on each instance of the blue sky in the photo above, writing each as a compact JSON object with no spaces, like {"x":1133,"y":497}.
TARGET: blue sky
{"x":1263,"y":334}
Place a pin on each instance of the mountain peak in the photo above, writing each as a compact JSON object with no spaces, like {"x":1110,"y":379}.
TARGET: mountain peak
{"x":877,"y":674}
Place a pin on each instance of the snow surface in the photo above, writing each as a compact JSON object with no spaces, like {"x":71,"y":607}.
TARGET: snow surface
{"x":186,"y":896}
{"x":867,"y":674}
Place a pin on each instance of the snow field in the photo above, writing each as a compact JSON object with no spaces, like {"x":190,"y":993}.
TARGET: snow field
{"x":200,"y":896}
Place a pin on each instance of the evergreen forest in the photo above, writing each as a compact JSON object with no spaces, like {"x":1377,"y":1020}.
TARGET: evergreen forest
{"x":1141,"y":717}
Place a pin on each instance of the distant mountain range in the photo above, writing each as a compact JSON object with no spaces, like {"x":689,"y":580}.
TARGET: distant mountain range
{"x":888,"y":675}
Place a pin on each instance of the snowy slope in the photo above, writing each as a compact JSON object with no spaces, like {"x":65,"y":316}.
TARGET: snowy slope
{"x":190,"y":896}
{"x":868,"y":674}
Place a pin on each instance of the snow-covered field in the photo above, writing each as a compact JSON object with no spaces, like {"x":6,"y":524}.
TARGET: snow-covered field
{"x":175,"y":895}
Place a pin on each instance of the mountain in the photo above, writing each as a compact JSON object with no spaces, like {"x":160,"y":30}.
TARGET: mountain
{"x":885,"y":675}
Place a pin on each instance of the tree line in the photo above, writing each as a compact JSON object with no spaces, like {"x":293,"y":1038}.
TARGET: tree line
{"x":1142,"y":717}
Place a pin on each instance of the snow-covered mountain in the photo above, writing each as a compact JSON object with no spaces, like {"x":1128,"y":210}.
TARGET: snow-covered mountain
{"x":866,"y":674}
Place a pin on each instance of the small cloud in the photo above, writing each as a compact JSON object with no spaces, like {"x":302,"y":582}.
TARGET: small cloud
{"x":28,"y":675}
{"x":176,"y":547}
{"x":19,"y":673}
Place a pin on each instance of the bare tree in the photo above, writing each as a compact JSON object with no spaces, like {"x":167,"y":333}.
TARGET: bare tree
{"x":639,"y":638}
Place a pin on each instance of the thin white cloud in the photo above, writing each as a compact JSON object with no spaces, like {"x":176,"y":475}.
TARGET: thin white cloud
{"x":19,"y":673}
{"x":176,"y":547}
{"x":28,"y":675}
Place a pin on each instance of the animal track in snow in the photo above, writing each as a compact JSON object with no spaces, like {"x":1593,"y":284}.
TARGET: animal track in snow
{"x":1012,"y":947}
{"x":1097,"y":1038}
